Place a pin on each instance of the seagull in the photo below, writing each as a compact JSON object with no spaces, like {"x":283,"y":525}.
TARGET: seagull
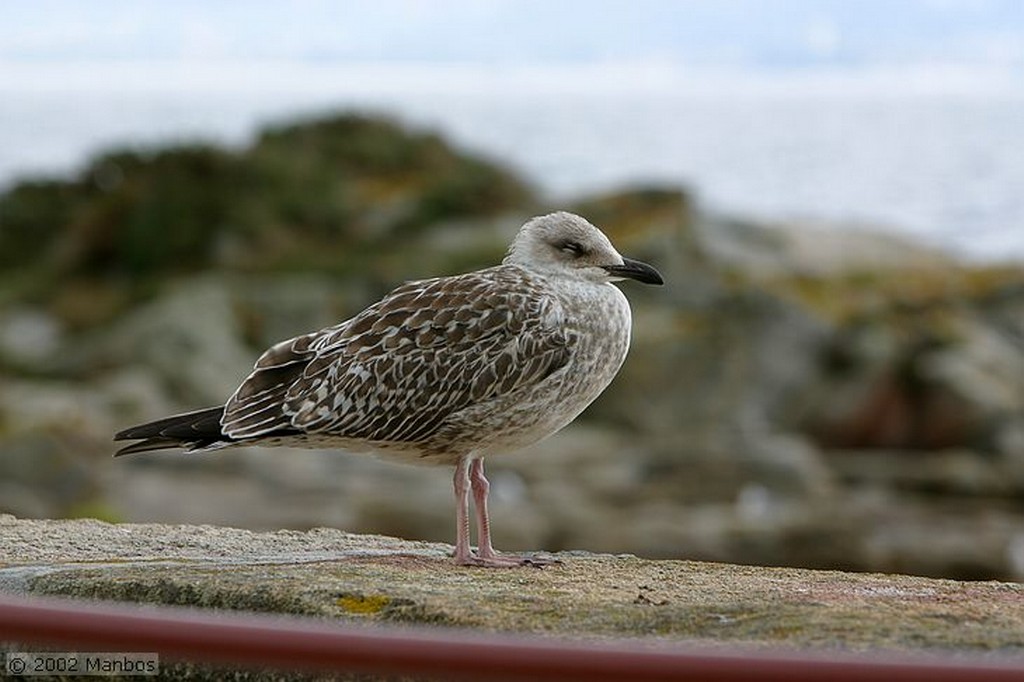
{"x":442,"y":371}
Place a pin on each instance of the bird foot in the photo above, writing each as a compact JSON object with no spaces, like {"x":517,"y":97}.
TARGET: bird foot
{"x":505,"y":561}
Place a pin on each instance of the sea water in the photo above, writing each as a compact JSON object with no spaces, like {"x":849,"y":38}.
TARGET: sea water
{"x":947,"y":169}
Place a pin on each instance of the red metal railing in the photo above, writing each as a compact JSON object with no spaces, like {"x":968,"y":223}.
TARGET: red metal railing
{"x":257,"y":641}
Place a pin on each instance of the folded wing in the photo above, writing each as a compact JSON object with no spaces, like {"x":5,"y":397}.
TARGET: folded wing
{"x":399,"y":369}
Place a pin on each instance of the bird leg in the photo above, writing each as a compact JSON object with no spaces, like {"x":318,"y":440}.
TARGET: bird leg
{"x":463,"y":555}
{"x":469,"y":475}
{"x":481,"y":488}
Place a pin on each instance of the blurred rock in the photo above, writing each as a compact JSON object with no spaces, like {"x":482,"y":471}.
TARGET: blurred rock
{"x":942,"y":379}
{"x":191,"y":338}
{"x":938,"y":472}
{"x":794,"y":394}
{"x":43,"y":475}
{"x":765,"y":251}
{"x":28,"y":338}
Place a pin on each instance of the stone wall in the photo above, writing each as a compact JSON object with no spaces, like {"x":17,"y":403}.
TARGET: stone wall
{"x":375,"y":579}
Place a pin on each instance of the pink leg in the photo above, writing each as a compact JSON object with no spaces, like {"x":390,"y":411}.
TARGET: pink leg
{"x":481,"y":488}
{"x":461,"y":481}
{"x":471,"y":471}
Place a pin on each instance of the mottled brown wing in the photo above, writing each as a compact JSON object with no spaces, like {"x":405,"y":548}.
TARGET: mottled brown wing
{"x":257,"y":406}
{"x":394,"y":372}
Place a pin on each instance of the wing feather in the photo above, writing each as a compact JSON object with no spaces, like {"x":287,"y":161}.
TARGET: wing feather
{"x":255,"y":407}
{"x":399,"y":369}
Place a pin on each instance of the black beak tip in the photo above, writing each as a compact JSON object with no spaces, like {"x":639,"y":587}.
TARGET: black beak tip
{"x":634,"y":269}
{"x":655,"y":278}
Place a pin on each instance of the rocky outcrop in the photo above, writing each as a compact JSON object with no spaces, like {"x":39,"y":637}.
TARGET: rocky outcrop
{"x":795,"y":395}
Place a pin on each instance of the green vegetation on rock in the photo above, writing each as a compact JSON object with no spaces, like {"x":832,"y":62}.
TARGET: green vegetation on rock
{"x":326,"y":195}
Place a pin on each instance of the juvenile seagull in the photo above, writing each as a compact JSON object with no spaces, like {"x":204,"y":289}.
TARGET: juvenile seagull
{"x":442,"y":371}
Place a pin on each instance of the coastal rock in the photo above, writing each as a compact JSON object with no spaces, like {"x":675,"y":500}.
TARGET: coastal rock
{"x":906,"y":382}
{"x":189,"y":338}
{"x":760,"y":250}
{"x":29,"y":338}
{"x":794,"y":394}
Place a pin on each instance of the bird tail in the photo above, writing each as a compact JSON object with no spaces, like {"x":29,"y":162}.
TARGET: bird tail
{"x":199,"y":430}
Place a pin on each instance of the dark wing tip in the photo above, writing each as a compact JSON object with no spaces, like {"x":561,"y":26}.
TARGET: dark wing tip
{"x":148,"y":445}
{"x":187,"y":431}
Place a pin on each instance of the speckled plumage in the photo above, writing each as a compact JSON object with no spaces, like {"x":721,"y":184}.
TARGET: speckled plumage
{"x":443,"y":370}
{"x":396,"y":376}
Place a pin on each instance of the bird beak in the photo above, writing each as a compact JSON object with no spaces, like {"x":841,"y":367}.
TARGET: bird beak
{"x":634,"y":269}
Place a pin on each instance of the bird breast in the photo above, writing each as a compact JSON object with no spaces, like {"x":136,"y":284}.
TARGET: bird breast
{"x":598,"y":318}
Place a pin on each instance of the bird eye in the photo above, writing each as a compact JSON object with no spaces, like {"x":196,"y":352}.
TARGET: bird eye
{"x":572,"y":248}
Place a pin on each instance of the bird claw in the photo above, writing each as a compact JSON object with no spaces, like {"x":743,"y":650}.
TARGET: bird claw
{"x":506,"y":561}
{"x":538,"y":561}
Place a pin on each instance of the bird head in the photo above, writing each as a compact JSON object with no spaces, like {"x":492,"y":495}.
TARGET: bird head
{"x":565,"y":244}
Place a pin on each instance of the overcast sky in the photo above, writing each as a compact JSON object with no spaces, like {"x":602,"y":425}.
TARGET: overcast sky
{"x":842,"y":46}
{"x":82,"y":75}
{"x":746,"y":33}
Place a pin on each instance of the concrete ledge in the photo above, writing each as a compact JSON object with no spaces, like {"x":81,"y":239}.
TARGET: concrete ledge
{"x":332,"y":574}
